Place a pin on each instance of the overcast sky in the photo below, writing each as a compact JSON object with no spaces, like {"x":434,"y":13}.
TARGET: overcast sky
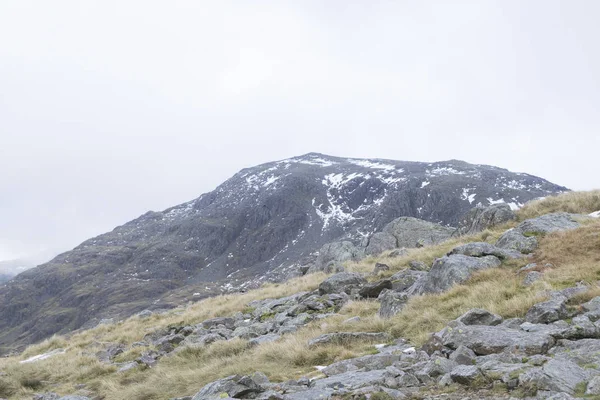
{"x":112,"y":108}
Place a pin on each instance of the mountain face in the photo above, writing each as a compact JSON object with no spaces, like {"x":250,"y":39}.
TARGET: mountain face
{"x":258,"y":222}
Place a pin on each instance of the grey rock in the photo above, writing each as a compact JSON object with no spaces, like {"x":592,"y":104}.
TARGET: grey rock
{"x":149,"y":358}
{"x":271,"y":337}
{"x":434,"y":368}
{"x":465,"y":374}
{"x":349,"y":337}
{"x":463,"y":356}
{"x":556,"y":375}
{"x":127,"y":366}
{"x":477,"y":316}
{"x":251,"y":331}
{"x":581,"y":328}
{"x":547,"y":311}
{"x":342,"y":282}
{"x":379,"y":267}
{"x":391,"y":303}
{"x":482,"y":218}
{"x":352,"y":320}
{"x":592,"y":305}
{"x":549,"y":223}
{"x":227,"y":322}
{"x":416,"y":265}
{"x":380,"y":242}
{"x":398,"y":253}
{"x":403,"y":280}
{"x":349,"y":380}
{"x":366,"y":363}
{"x":337,"y":252}
{"x":205,"y":340}
{"x":46,"y":396}
{"x":512,"y":323}
{"x":450,"y":270}
{"x":372,"y":290}
{"x":74,"y":397}
{"x":482,"y":249}
{"x":514,"y":240}
{"x":409,"y":232}
{"x":531,"y":277}
{"x":593,"y":387}
{"x":496,"y":339}
{"x":234,"y":386}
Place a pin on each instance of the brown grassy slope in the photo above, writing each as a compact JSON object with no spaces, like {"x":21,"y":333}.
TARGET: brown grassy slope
{"x":575,"y":256}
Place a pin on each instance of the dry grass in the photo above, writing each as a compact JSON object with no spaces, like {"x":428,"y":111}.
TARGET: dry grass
{"x":575,"y":256}
{"x":571,"y":202}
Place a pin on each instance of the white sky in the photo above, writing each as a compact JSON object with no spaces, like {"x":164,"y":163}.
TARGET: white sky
{"x":111,"y":108}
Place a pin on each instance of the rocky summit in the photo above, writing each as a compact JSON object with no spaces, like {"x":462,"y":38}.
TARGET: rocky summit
{"x":266,"y":223}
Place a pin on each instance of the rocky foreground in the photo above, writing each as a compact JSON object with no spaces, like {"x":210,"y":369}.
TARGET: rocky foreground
{"x":551,"y":353}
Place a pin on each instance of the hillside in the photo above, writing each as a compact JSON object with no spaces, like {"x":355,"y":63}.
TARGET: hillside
{"x":509,"y":323}
{"x":266,"y":223}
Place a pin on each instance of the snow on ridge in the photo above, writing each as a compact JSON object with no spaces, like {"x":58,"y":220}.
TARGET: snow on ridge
{"x":444,"y":171}
{"x":374,"y":165}
{"x":270,"y":180}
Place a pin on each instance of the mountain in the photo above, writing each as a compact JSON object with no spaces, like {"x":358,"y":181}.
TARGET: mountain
{"x":262,"y":220}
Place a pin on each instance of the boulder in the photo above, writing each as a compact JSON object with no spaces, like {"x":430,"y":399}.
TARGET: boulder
{"x":348,"y":337}
{"x":234,"y":386}
{"x":342,"y":282}
{"x":549,"y":223}
{"x":403,"y":280}
{"x":268,"y":338}
{"x":391,"y":303}
{"x":479,"y":219}
{"x":548,"y":311}
{"x":482,"y":249}
{"x":372,"y":290}
{"x":409,"y":232}
{"x":477,"y":316}
{"x":465,"y":374}
{"x":485,"y":340}
{"x":416,"y":265}
{"x":337,"y":252}
{"x":463,"y":356}
{"x":367,"y":363}
{"x":227,"y":322}
{"x":556,"y":375}
{"x":514,"y":240}
{"x":380,"y":242}
{"x":531,"y":277}
{"x":450,"y":270}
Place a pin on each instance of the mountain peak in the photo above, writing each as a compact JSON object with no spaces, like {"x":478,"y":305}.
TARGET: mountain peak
{"x":255,"y":227}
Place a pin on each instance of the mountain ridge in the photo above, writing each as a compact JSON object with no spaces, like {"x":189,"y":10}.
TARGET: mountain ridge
{"x":274,"y":215}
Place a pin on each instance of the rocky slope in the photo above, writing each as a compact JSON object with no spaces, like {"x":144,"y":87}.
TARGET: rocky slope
{"x":254,"y":227}
{"x":550,"y":351}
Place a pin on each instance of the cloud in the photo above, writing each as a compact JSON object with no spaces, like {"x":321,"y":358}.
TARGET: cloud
{"x":109,"y":109}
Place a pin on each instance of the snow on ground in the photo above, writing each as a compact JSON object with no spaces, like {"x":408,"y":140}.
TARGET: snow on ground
{"x":595,"y":214}
{"x":467,"y":196}
{"x":424,"y":183}
{"x":44,"y":356}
